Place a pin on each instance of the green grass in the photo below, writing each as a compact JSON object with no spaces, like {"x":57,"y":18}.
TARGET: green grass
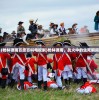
{"x":51,"y":94}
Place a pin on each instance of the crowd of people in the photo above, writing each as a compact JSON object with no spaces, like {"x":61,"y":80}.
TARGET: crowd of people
{"x":25,"y":69}
{"x":37,"y":31}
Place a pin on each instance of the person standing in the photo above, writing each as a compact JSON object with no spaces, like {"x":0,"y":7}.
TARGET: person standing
{"x":96,"y":20}
{"x":4,"y":68}
{"x":58,"y":65}
{"x":67,"y":73}
{"x":42,"y":66}
{"x":20,"y":29}
{"x":81,"y":64}
{"x":33,"y":28}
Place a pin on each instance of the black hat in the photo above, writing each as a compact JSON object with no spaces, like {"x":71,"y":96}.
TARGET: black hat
{"x":55,"y":25}
{"x":39,"y":42}
{"x":83,"y":44}
{"x":58,"y":43}
{"x":66,"y":44}
{"x":20,"y":22}
{"x":2,"y":44}
{"x":17,"y":42}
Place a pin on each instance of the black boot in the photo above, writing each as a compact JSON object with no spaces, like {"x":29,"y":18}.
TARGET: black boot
{"x":67,"y":84}
{"x":39,"y":84}
{"x":78,"y":81}
{"x":84,"y":80}
{"x":66,"y":81}
{"x":60,"y":88}
{"x":45,"y":86}
{"x":12,"y":83}
{"x":70,"y":80}
{"x":3,"y":83}
{"x":22,"y":84}
{"x":75,"y":81}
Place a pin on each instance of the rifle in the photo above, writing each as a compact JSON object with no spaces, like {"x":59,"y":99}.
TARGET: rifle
{"x":36,"y":20}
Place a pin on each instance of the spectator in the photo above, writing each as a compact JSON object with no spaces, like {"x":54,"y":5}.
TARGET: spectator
{"x":84,"y":30}
{"x":40,"y":32}
{"x":51,"y":26}
{"x":96,"y":20}
{"x":74,"y":28}
{"x":55,"y":28}
{"x":54,"y":31}
{"x":20,"y":29}
{"x":33,"y":28}
{"x":62,"y":30}
{"x":71,"y":31}
{"x":13,"y":34}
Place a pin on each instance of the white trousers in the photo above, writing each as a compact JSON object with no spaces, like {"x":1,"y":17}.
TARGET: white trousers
{"x":29,"y":79}
{"x":18,"y":69}
{"x":58,"y":80}
{"x":67,"y":74}
{"x":81,"y":72}
{"x":42,"y":73}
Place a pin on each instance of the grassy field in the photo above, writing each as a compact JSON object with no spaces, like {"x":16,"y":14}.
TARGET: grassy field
{"x":51,"y":94}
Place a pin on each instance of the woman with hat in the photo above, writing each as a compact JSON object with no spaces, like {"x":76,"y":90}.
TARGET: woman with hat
{"x":20,"y":29}
{"x":54,"y":30}
{"x":62,"y":30}
{"x":74,"y":28}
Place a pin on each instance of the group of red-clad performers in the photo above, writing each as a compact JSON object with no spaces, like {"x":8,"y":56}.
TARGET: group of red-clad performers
{"x":26,"y":69}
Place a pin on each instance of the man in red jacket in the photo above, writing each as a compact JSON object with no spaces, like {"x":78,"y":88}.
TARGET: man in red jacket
{"x":81,"y":66}
{"x":42,"y":66}
{"x":30,"y":67}
{"x":19,"y":60}
{"x":4,"y":67}
{"x":18,"y":68}
{"x":93,"y":67}
{"x":67,"y":60}
{"x":58,"y":65}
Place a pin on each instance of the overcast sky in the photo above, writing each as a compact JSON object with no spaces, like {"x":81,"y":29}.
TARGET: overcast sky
{"x":67,"y":11}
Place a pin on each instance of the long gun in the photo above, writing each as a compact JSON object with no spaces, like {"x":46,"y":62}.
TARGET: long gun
{"x":36,"y":20}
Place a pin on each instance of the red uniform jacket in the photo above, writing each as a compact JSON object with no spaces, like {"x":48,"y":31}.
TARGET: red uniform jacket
{"x":80,"y":61}
{"x":92,"y":65}
{"x":58,"y":62}
{"x":66,"y":60}
{"x":41,"y":60}
{"x":22,"y":57}
{"x":3,"y":62}
{"x":30,"y":63}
